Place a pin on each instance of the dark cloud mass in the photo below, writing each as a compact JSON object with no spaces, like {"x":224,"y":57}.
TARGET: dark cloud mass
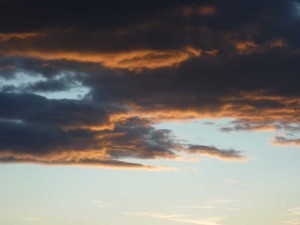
{"x":142,"y":62}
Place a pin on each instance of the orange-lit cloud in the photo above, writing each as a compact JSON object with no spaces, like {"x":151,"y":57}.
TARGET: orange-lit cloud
{"x":132,"y":60}
{"x":206,"y":10}
{"x":277,"y":43}
{"x":153,"y":62}
{"x":201,"y":10}
{"x":283,"y":141}
{"x":92,"y":161}
{"x":246,"y":47}
{"x":31,"y":45}
{"x":250,"y":46}
{"x":10,"y":36}
{"x":247,"y":107}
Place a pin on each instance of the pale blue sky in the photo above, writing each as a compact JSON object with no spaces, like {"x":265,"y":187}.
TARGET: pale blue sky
{"x":262,"y":189}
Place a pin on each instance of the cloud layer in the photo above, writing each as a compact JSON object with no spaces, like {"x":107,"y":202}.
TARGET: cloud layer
{"x":143,"y":62}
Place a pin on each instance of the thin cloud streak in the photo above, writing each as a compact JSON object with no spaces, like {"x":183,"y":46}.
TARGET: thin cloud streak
{"x":178,"y":218}
{"x":212,"y":205}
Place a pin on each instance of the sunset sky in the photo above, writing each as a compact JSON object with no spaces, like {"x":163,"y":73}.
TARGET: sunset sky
{"x":150,"y":112}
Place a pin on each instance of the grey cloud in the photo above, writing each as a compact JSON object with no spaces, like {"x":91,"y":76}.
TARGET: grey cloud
{"x":284,"y":141}
{"x":230,"y":154}
{"x":83,"y":162}
{"x":50,"y":85}
{"x":35,"y":109}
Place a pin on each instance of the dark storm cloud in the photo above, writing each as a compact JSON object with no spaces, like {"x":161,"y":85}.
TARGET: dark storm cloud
{"x":133,"y":34}
{"x":113,"y":14}
{"x":22,"y":138}
{"x":144,"y":62}
{"x":34,"y":125}
{"x":248,"y":88}
{"x":106,"y":14}
{"x":35,"y":129}
{"x":7,"y":68}
{"x":35,"y":109}
{"x":51,"y":85}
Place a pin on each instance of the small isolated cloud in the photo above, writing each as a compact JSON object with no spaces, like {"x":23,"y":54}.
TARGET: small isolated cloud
{"x":103,"y":205}
{"x":211,"y":151}
{"x":33,"y":219}
{"x":284,"y":141}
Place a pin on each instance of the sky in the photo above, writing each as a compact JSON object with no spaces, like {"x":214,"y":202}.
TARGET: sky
{"x":127,"y":112}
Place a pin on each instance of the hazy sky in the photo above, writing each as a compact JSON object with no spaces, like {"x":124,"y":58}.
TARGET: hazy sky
{"x":149,"y":112}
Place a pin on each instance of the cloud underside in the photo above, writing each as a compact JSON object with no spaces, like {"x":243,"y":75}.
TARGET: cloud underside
{"x":286,"y":141}
{"x":147,"y":63}
{"x":100,"y":146}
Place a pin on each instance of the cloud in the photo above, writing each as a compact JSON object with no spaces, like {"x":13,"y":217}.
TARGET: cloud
{"x":200,"y":10}
{"x":50,"y":145}
{"x":231,"y":155}
{"x":33,"y":219}
{"x":131,"y":60}
{"x":211,"y":205}
{"x":139,"y":35}
{"x":103,"y":205}
{"x":283,"y":141}
{"x":89,"y":163}
{"x":178,"y":218}
{"x":294,"y":211}
{"x":80,"y":132}
{"x":143,"y":63}
{"x":292,"y":222}
{"x":50,"y":85}
{"x":244,"y":125}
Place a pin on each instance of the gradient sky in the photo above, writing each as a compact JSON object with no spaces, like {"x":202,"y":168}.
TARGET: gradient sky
{"x":126,"y":112}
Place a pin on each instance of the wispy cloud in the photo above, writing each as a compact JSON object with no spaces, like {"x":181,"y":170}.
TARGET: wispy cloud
{"x":211,"y":151}
{"x":292,"y":222}
{"x":231,"y":181}
{"x":294,"y":211}
{"x":222,"y":203}
{"x":178,"y":218}
{"x":103,"y":205}
{"x":33,"y":219}
{"x":294,"y":214}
